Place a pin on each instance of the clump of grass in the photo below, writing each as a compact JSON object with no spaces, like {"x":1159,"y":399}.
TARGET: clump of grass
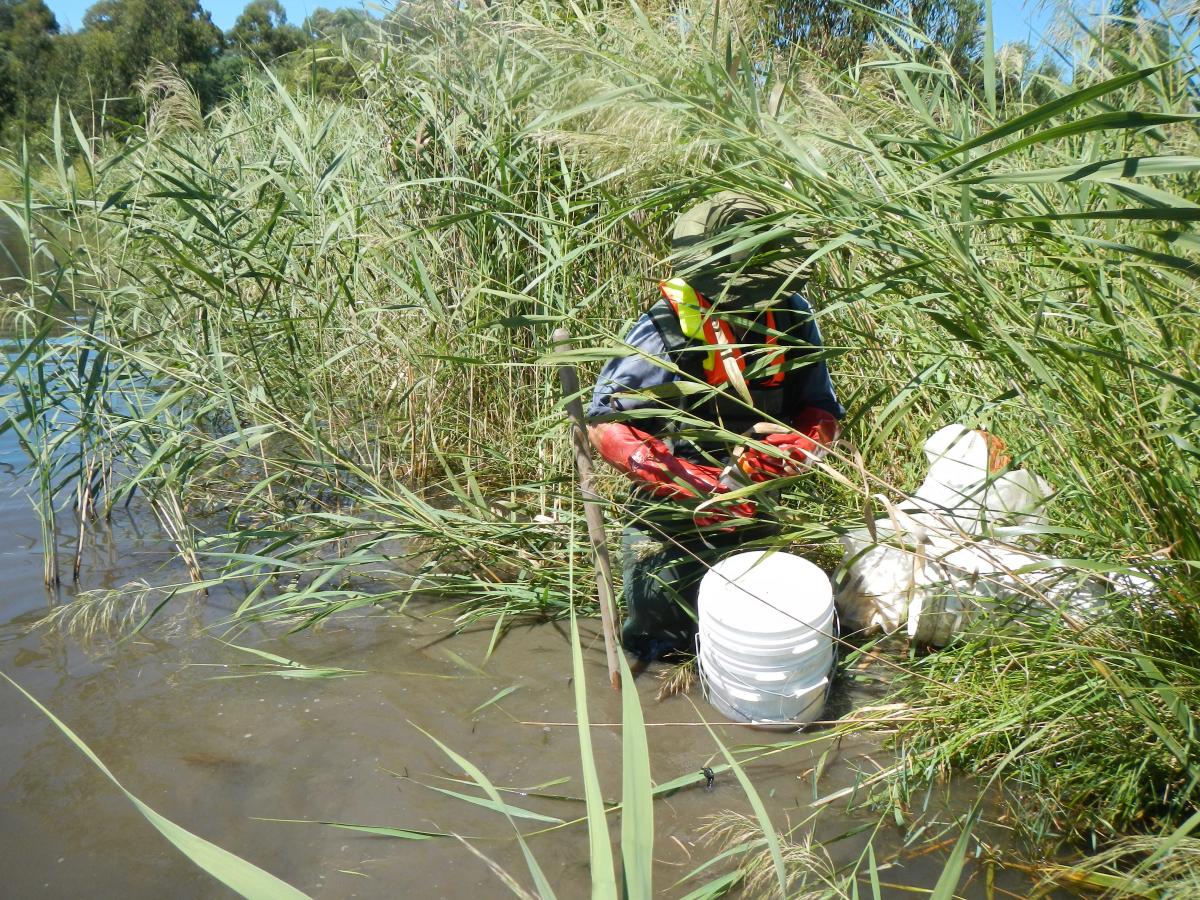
{"x":325,"y":324}
{"x":1142,"y":866}
{"x":810,"y":870}
{"x":103,"y":614}
{"x":1102,"y":719}
{"x":676,"y":678}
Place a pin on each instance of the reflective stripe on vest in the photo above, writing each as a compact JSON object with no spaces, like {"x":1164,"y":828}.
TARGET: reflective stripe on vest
{"x":698,"y":323}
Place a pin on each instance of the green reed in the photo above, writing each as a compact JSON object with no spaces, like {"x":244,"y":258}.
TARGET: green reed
{"x":316,"y":335}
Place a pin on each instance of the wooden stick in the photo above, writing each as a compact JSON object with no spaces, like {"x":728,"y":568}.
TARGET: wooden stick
{"x":594,"y":515}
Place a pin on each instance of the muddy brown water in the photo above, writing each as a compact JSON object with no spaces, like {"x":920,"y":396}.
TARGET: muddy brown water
{"x":219,"y":755}
{"x":216,"y":754}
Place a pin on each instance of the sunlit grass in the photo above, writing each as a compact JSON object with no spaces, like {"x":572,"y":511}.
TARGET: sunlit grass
{"x":325,"y":328}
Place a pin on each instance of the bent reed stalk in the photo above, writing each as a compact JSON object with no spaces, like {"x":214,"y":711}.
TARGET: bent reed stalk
{"x":326,"y":328}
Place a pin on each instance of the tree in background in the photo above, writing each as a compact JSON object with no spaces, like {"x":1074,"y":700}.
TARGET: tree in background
{"x":121,"y":39}
{"x":336,"y":25}
{"x":27,"y":34}
{"x":839,"y":31}
{"x":324,"y":68}
{"x":263,"y":30}
{"x":954,"y":27}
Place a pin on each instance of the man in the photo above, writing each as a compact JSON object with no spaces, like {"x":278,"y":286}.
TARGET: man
{"x":714,"y":396}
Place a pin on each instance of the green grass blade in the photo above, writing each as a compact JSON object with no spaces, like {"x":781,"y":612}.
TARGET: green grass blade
{"x":715,"y":888}
{"x":952,"y":871}
{"x":407,"y":834}
{"x":604,"y":883}
{"x":497,"y":805}
{"x":1124,"y":120}
{"x":1127,"y":167}
{"x":873,"y":872}
{"x":237,"y":874}
{"x":289,"y":668}
{"x":535,"y":870}
{"x":764,"y":821}
{"x":989,"y":57}
{"x":1053,"y":108}
{"x":637,"y":793}
{"x":497,"y":697}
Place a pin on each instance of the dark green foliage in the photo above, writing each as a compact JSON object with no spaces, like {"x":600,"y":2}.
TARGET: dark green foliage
{"x":335,"y":25}
{"x":840,"y":31}
{"x":27,"y":30}
{"x":121,"y":39}
{"x":953,"y":27}
{"x":96,"y":71}
{"x":263,"y":30}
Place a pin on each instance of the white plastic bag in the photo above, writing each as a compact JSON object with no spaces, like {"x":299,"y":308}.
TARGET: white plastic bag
{"x":929,"y":567}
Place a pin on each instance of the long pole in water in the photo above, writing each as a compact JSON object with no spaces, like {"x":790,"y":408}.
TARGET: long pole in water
{"x":592,"y":512}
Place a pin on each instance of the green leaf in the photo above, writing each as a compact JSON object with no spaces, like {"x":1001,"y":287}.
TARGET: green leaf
{"x":637,"y":793}
{"x":989,"y":57}
{"x":1109,"y":121}
{"x":1127,"y":167}
{"x":539,"y":877}
{"x":1141,"y":214}
{"x":500,"y":695}
{"x":378,"y":830}
{"x":497,"y":805}
{"x":716,"y":887}
{"x":760,"y":811}
{"x":604,"y":883}
{"x":237,"y":874}
{"x":1053,"y":108}
{"x":952,"y":871}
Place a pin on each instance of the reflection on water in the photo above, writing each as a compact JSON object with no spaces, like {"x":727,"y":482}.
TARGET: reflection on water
{"x":13,"y":254}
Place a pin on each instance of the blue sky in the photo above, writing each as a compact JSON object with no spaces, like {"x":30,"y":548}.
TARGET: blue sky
{"x":1014,"y":18}
{"x":1019,"y":20}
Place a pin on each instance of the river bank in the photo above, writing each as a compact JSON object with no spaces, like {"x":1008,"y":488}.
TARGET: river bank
{"x":212,"y":737}
{"x":220,"y":739}
{"x":291,"y":324}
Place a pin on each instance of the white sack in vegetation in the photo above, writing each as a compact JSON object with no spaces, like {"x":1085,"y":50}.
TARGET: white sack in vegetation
{"x":928,"y":565}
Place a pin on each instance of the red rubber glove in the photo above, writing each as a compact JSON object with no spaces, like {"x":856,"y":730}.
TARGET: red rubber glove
{"x":648,"y":461}
{"x":815,"y":430}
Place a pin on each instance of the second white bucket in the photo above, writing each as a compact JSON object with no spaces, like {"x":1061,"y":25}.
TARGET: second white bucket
{"x":766,"y":625}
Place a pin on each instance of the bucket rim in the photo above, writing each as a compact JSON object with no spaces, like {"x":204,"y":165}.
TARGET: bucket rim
{"x":783,"y":689}
{"x":723,"y":578}
{"x":821,"y":655}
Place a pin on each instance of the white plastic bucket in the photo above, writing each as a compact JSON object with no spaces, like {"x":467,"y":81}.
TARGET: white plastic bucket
{"x":766,"y":638}
{"x":777,"y":639}
{"x":794,"y":645}
{"x":747,"y":671}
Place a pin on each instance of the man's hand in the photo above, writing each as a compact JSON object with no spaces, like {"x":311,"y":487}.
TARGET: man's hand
{"x":788,"y":452}
{"x":650,"y":463}
{"x":788,"y":455}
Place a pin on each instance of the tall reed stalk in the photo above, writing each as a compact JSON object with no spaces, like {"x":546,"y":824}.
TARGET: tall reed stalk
{"x":326,"y":327}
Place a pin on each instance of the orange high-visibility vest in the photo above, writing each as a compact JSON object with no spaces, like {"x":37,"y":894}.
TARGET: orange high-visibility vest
{"x":697,"y":322}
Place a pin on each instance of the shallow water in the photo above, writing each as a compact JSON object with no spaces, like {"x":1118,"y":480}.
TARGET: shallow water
{"x":217,"y":754}
{"x":213,"y":753}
